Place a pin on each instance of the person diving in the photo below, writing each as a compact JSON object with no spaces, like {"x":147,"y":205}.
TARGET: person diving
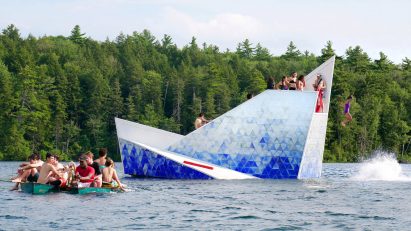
{"x":348,"y":117}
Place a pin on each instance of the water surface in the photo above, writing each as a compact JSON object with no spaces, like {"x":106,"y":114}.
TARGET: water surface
{"x":347,"y":196}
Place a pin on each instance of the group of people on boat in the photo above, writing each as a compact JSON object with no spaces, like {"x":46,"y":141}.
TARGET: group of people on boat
{"x":89,"y":173}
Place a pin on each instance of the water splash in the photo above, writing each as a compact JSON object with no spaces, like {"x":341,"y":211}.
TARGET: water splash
{"x":383,"y":166}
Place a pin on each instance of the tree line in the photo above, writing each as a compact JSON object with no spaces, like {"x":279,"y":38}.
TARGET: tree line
{"x":61,"y":94}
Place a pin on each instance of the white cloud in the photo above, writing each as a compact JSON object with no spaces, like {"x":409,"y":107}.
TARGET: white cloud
{"x":224,"y":29}
{"x":374,"y":25}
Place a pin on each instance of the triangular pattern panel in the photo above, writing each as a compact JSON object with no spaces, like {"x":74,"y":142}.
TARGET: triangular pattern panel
{"x":263,"y":137}
{"x":139,"y":161}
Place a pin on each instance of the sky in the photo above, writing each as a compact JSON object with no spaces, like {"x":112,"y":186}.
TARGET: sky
{"x":375,"y":25}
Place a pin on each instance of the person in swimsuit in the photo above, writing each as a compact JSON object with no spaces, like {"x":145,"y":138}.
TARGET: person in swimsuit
{"x":110,"y":178}
{"x":28,"y":171}
{"x":200,"y":121}
{"x":292,"y":83}
{"x":47,"y":169}
{"x":71,"y":170}
{"x":319,"y":86}
{"x":101,"y":161}
{"x":300,"y":83}
{"x":60,"y":181}
{"x":270,"y":83}
{"x":283,"y":84}
{"x":96,"y":167}
{"x":347,"y":114}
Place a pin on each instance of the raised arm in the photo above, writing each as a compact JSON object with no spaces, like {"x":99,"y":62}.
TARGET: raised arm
{"x":30,"y":166}
{"x":54,"y":170}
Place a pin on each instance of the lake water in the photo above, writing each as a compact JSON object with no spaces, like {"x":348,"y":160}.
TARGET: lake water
{"x":368,"y":196}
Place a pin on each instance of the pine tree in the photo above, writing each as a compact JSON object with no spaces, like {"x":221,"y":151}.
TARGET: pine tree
{"x":292,"y":52}
{"x":327,"y":52}
{"x":406,"y":64}
{"x":383,"y":64}
{"x":262,"y":53}
{"x":357,"y":60}
{"x":245,"y":49}
{"x":76,"y":35}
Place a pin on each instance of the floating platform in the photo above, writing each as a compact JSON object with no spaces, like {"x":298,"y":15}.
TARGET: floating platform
{"x":37,"y":189}
{"x":275,"y":135}
{"x":42,"y":189}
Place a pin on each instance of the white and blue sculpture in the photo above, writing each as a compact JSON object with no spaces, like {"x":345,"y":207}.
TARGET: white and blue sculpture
{"x":277,"y":134}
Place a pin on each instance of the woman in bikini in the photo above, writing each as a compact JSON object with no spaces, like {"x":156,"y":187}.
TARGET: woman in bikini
{"x":301,"y":83}
{"x":292,"y":83}
{"x":110,"y":178}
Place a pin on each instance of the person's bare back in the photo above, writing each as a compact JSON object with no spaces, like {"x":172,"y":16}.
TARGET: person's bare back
{"x":108,"y":173}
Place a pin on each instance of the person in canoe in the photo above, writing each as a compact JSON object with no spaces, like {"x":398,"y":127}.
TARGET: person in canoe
{"x":47,"y":170}
{"x":71,"y":172}
{"x":101,"y":161}
{"x":84,"y":173}
{"x":97,"y":173}
{"x":28,"y":171}
{"x":110,"y":177}
{"x":55,"y":179}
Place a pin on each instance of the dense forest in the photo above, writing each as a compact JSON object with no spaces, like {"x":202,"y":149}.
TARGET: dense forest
{"x":61,"y":94}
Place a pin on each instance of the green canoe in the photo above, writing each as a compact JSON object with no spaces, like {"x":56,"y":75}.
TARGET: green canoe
{"x":37,"y":189}
{"x":88,"y":190}
{"x":41,"y":189}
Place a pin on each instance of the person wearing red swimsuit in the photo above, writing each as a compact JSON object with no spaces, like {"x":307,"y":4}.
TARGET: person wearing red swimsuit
{"x":319,"y":86}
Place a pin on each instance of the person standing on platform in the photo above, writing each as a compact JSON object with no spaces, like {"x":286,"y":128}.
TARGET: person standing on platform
{"x":319,"y":86}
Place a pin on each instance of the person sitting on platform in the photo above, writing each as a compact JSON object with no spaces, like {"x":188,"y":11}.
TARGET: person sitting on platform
{"x":71,"y":170}
{"x":110,"y":178}
{"x":84,"y":172}
{"x":101,"y":161}
{"x":47,"y":169}
{"x":96,"y":167}
{"x":200,"y":121}
{"x":283,"y":84}
{"x":61,"y":181}
{"x":270,"y":83}
{"x":28,"y":171}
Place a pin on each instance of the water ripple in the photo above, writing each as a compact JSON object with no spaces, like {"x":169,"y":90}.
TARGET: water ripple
{"x":335,"y":201}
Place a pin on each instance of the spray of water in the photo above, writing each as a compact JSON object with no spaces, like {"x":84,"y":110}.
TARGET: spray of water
{"x":383,"y":166}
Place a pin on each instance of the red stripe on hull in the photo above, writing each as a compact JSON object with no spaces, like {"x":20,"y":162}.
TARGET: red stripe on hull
{"x":198,"y":165}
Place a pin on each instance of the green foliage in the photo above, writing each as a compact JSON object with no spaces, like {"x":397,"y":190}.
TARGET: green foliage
{"x":292,"y":52}
{"x":76,"y":35}
{"x":61,"y":94}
